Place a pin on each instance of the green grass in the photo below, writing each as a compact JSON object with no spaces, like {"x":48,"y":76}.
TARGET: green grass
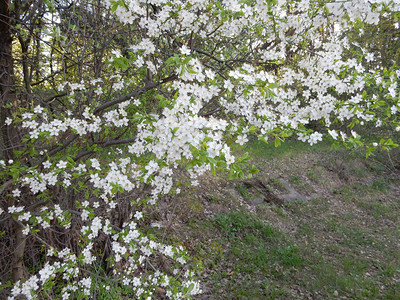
{"x":259,"y":148}
{"x":263,"y":252}
{"x":378,"y":210}
{"x":258,"y":250}
{"x":105,"y":289}
{"x":350,"y":284}
{"x":241,"y":222}
{"x":273,"y":262}
{"x":380,"y":185}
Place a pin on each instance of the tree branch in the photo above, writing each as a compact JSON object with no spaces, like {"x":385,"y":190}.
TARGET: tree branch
{"x":209,"y":55}
{"x":59,"y":148}
{"x":134,"y":94}
{"x":103,"y":145}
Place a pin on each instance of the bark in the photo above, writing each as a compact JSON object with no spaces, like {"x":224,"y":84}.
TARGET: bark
{"x":9,"y":137}
{"x":18,"y":267}
{"x":7,"y":95}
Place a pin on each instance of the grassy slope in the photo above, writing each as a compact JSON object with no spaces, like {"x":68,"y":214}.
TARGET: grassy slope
{"x":313,"y":224}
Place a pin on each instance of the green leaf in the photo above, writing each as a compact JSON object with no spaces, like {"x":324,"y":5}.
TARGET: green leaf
{"x":369,"y":152}
{"x":273,"y":85}
{"x":70,"y":159}
{"x":212,"y":160}
{"x":245,"y":156}
{"x":220,"y":163}
{"x":213,"y":169}
{"x":235,"y":167}
{"x":187,"y":60}
{"x":14,"y":173}
{"x":170,"y":61}
{"x":173,"y":131}
{"x":191,"y":164}
{"x":254,"y":170}
{"x":191,"y":71}
{"x":190,"y":288}
{"x":277,"y":142}
{"x":137,"y":117}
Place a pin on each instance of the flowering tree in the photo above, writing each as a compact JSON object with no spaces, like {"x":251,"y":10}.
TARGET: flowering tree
{"x":111,"y":105}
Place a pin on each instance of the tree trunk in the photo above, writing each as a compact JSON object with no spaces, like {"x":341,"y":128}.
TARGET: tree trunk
{"x":18,"y":267}
{"x":9,"y":137}
{"x":7,"y":95}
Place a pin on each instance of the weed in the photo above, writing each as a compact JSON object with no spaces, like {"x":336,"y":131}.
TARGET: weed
{"x":360,"y":172}
{"x":288,"y":256}
{"x":243,"y":191}
{"x":333,"y":225}
{"x":296,"y":203}
{"x":236,"y":222}
{"x":380,"y":185}
{"x":105,"y":289}
{"x":354,"y":237}
{"x":215,"y":199}
{"x":314,"y":174}
{"x":318,"y":200}
{"x":294,"y":179}
{"x":277,"y":183}
{"x":296,"y":206}
{"x":196,"y":206}
{"x":279,"y":211}
{"x":387,"y":271}
{"x":376,"y":209}
{"x":216,"y":248}
{"x":354,"y":265}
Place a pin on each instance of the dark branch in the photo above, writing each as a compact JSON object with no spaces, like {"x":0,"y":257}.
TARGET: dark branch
{"x":134,"y":94}
{"x":209,"y":55}
{"x":209,"y":113}
{"x":104,"y":145}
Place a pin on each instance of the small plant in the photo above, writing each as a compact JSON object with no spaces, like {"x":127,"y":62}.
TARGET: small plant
{"x":380,"y":185}
{"x":215,"y":198}
{"x":244,"y":191}
{"x":313,"y":175}
{"x":277,"y":183}
{"x":294,"y":179}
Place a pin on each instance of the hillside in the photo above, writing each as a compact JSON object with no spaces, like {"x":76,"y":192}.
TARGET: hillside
{"x":312,"y":224}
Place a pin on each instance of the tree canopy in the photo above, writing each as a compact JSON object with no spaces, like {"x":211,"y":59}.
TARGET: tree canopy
{"x":109,"y":107}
